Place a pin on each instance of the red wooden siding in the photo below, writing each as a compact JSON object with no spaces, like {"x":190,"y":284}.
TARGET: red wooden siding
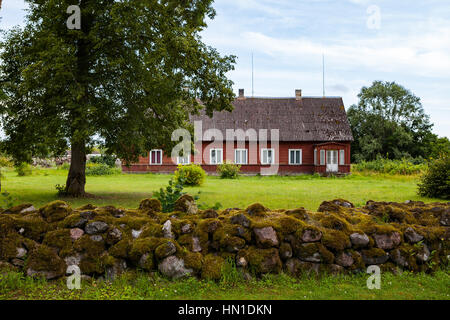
{"x":254,"y":158}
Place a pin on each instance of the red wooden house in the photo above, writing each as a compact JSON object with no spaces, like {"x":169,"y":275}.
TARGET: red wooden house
{"x":313,"y":136}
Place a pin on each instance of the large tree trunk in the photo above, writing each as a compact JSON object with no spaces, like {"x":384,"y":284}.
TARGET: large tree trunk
{"x":76,"y":179}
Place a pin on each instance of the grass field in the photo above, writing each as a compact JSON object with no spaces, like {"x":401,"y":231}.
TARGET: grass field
{"x":274,"y":192}
{"x":272,"y":287}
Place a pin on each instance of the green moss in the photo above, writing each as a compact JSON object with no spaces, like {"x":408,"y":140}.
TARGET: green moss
{"x":55,"y":211}
{"x":262,"y":260}
{"x":134,"y":221}
{"x":309,"y":249}
{"x":152,"y":230}
{"x":256,"y":210}
{"x":192,"y":260}
{"x":299,"y":213}
{"x":143,"y":246}
{"x":17,"y":209}
{"x":335,"y":240}
{"x":212,"y":267}
{"x":228,"y":236}
{"x":89,"y":247}
{"x":61,"y":240}
{"x":150,"y":205}
{"x":120,"y":249}
{"x":163,"y":249}
{"x":34,"y":226}
{"x":332,"y":221}
{"x":44,"y":259}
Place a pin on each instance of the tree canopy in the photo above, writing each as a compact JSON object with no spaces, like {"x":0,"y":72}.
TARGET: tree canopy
{"x":389,"y":121}
{"x":128,"y":78}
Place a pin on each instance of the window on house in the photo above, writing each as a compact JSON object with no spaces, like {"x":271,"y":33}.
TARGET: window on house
{"x":240,"y":156}
{"x":184,"y":160}
{"x":295,"y":156}
{"x":341,"y":157}
{"x":267,"y":156}
{"x":216,"y":156}
{"x":322,"y":157}
{"x":156,"y":157}
{"x":315,"y":156}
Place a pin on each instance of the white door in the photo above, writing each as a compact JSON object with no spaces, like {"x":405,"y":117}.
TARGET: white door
{"x":332,"y":161}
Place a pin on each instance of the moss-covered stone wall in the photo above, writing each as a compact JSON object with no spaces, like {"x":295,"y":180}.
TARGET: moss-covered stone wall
{"x":105,"y":241}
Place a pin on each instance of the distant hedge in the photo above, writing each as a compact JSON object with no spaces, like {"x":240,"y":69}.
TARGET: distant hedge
{"x":402,"y":167}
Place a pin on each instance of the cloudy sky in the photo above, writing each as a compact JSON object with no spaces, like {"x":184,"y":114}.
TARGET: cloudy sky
{"x":407,"y":41}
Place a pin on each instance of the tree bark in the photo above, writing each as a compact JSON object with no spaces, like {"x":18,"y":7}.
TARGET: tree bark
{"x":76,"y":180}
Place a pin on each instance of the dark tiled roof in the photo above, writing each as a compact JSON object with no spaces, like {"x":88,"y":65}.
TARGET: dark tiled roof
{"x":308,"y":119}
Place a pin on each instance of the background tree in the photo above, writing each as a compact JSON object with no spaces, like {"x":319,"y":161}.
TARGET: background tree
{"x":129,"y":77}
{"x":389,"y":121}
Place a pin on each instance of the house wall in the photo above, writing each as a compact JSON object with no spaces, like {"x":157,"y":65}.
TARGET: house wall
{"x":254,"y":158}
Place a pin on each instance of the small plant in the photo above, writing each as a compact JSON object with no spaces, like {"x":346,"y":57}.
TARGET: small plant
{"x":190,"y":175}
{"x":6,"y":201}
{"x":228,"y":170}
{"x":64,"y":166}
{"x":61,"y":190}
{"x":23,"y":169}
{"x":169,"y":195}
{"x":230,"y":275}
{"x":435,"y":182}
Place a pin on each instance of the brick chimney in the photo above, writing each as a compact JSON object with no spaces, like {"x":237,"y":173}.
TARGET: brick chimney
{"x":241,"y":94}
{"x":298,"y":94}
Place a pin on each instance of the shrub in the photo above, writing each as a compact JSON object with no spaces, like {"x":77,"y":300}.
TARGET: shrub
{"x":435,"y":182}
{"x":169,"y":195}
{"x":190,"y":175}
{"x":93,"y":169}
{"x":228,"y":170}
{"x":23,"y":169}
{"x":106,"y":159}
{"x":64,"y":166}
{"x":5,"y":162}
{"x":403,"y":167}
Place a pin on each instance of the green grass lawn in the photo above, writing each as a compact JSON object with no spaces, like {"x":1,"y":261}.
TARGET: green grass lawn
{"x":272,"y":287}
{"x":274,"y":192}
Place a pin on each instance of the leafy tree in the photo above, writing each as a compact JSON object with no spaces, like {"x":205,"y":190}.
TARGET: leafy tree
{"x":389,"y":121}
{"x":438,"y":146}
{"x":128,"y":78}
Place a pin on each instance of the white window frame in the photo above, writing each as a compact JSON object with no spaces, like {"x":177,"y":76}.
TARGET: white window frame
{"x":236,"y":160}
{"x":322,"y":155}
{"x":188,"y":158}
{"x":273,"y":156}
{"x":342,"y":157}
{"x":221,"y":156}
{"x":291,"y":162}
{"x":161,"y":158}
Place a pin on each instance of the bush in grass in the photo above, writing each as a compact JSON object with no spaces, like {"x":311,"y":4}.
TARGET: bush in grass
{"x":190,"y":175}
{"x":5,"y":162}
{"x":403,"y":167}
{"x":435,"y":183}
{"x":228,"y":170}
{"x":64,"y":166}
{"x":106,"y":159}
{"x":169,"y":195}
{"x":23,"y":169}
{"x":94,"y":169}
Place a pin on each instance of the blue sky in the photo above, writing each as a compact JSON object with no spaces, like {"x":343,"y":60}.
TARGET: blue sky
{"x":409,"y":44}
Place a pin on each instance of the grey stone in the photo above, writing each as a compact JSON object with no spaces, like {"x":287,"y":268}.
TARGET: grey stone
{"x":136,"y":233}
{"x":96,"y":238}
{"x":285,"y":251}
{"x":241,"y":262}
{"x":387,"y":241}
{"x":424,"y":254}
{"x":240,"y":219}
{"x":398,"y":258}
{"x":185,"y":229}
{"x":113,"y":236}
{"x":167,"y":230}
{"x":21,"y":253}
{"x":344,"y":259}
{"x":375,"y":259}
{"x":196,"y":245}
{"x":169,"y":249}
{"x":29,"y":209}
{"x":311,"y":235}
{"x":173,"y":267}
{"x":18,"y":262}
{"x":96,"y":227}
{"x":266,"y":237}
{"x":117,"y":269}
{"x":359,"y":240}
{"x":73,"y":260}
{"x":76,"y":234}
{"x":412,"y":236}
